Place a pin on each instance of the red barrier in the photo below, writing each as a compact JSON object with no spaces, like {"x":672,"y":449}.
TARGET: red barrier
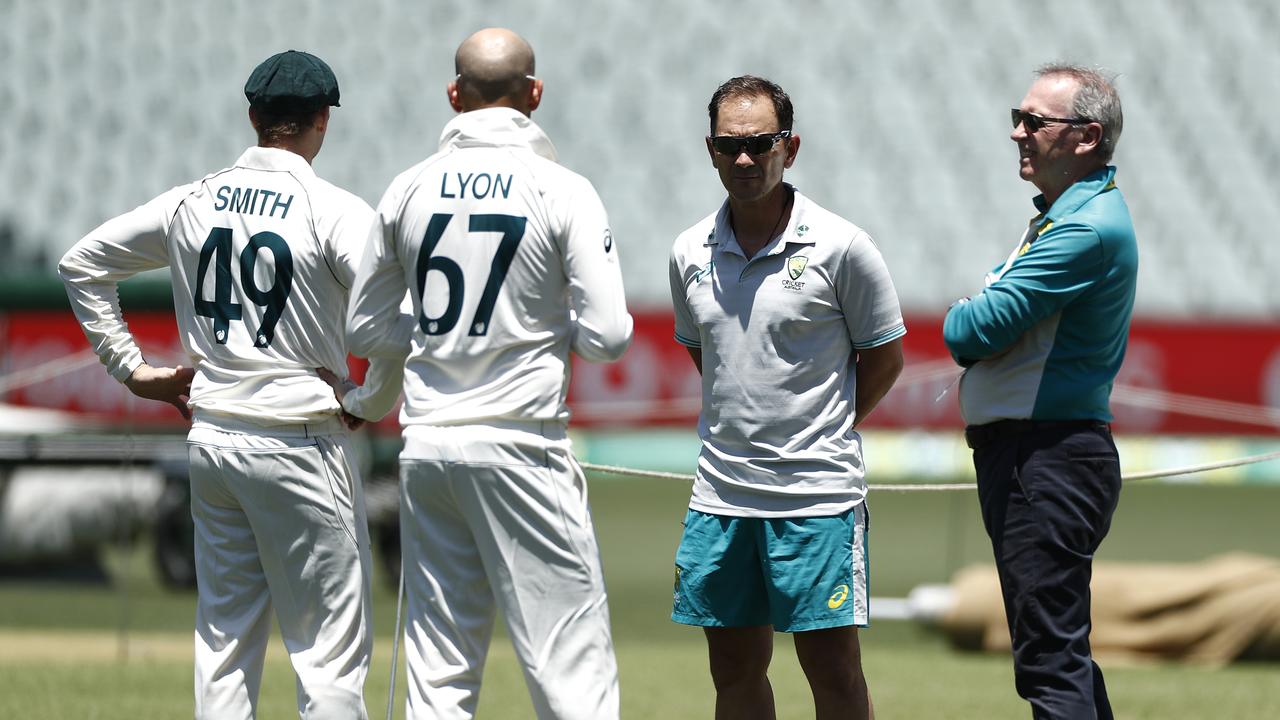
{"x":1190,"y":377}
{"x":1179,"y":377}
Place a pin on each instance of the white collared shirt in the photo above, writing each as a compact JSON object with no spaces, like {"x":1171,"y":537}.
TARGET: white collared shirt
{"x":510,"y":263}
{"x":261,"y":255}
{"x":778,"y":334}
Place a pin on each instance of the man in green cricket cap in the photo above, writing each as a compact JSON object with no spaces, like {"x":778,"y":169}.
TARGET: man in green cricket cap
{"x":292,"y":81}
{"x":261,"y":256}
{"x":289,"y":98}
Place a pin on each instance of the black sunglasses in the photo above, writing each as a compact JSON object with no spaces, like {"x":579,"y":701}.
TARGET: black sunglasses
{"x":1033,"y":122}
{"x":733,"y":146}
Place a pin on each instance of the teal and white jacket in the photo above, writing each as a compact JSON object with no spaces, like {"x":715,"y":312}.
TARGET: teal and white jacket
{"x":1046,"y":336}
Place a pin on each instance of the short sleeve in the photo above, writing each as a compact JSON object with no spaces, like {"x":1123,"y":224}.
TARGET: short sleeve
{"x":867,"y":296}
{"x":686,"y":329}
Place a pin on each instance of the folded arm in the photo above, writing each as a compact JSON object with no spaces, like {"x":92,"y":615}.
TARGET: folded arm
{"x":1059,"y":265}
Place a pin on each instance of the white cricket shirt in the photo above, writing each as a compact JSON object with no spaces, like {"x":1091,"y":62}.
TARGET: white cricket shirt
{"x":778,"y":334}
{"x":510,"y":264}
{"x":261,"y":255}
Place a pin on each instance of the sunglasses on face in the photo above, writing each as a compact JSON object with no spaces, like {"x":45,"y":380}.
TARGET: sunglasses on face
{"x":1033,"y":122}
{"x":733,"y":146}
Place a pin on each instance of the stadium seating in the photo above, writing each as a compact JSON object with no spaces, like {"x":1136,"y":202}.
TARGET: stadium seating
{"x":902,"y":109}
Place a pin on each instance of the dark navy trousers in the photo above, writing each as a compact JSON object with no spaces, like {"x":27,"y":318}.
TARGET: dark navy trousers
{"x":1048,"y":491}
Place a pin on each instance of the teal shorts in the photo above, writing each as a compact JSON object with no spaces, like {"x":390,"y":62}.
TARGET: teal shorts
{"x":795,"y":574}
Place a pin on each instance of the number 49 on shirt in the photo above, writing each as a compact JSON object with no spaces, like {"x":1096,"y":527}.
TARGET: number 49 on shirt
{"x":217,"y":249}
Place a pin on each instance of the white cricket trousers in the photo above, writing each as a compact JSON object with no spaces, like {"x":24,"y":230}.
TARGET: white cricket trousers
{"x":279,"y":524}
{"x":496,"y":517}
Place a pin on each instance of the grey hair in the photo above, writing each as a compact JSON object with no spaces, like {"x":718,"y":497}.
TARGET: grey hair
{"x":1096,"y":99}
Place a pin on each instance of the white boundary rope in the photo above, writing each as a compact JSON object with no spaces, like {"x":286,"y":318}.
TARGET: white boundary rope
{"x":48,"y":371}
{"x":918,"y":373}
{"x":944,"y":370}
{"x":1196,"y":406}
{"x":615,"y":470}
{"x":1203,"y":467}
{"x":681,"y":407}
{"x":936,"y":487}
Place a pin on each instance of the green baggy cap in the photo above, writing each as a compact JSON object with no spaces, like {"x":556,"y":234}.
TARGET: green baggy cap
{"x":292,"y":82}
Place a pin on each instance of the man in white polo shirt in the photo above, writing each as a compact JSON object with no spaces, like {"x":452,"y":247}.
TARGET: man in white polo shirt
{"x":791,"y":317}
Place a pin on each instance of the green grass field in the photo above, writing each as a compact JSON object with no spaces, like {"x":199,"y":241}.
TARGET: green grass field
{"x":69,"y":651}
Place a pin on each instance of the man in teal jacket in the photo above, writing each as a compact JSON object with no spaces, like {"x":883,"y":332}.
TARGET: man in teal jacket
{"x":1041,"y":345}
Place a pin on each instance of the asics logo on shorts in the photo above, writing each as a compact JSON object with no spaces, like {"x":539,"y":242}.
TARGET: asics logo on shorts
{"x":838,"y":597}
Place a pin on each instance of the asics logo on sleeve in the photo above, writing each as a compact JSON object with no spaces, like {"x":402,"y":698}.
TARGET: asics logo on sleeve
{"x":705,"y":271}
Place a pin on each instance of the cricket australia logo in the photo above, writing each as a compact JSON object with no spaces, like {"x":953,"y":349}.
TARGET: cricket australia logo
{"x":795,"y":267}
